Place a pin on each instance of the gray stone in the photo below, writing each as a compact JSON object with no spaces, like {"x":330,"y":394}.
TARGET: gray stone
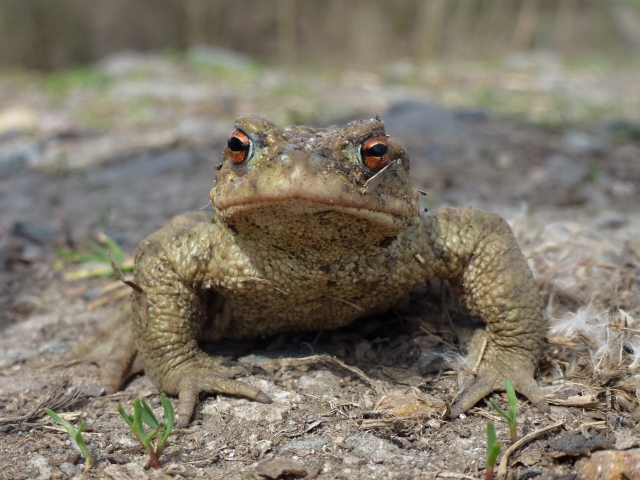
{"x":583,"y":143}
{"x":303,"y":443}
{"x":142,"y":167}
{"x":18,"y":154}
{"x":353,"y":461}
{"x":375,"y":449}
{"x":564,"y":172}
{"x":70,"y":469}
{"x":414,"y":118}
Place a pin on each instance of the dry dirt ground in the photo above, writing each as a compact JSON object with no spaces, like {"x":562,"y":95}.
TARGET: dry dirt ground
{"x":366,"y":401}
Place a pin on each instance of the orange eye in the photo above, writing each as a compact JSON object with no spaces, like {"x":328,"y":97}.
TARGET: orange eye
{"x":374,"y":152}
{"x":238,"y":146}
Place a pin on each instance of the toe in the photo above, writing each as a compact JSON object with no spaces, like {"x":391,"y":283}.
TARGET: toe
{"x":199,"y":381}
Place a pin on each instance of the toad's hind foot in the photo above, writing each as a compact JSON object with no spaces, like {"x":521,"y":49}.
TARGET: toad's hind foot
{"x":497,"y":366}
{"x":112,"y":348}
{"x":189,"y":380}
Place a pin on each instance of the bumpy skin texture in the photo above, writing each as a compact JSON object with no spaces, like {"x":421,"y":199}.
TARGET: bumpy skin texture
{"x":305,"y":236}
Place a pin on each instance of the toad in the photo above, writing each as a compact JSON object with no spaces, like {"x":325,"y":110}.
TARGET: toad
{"x":311,"y":229}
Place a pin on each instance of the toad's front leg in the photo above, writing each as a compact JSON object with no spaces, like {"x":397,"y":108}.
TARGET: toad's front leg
{"x":478,"y":253}
{"x":170,"y":268}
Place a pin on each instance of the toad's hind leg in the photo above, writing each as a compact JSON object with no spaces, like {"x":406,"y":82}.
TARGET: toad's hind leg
{"x":113,"y":349}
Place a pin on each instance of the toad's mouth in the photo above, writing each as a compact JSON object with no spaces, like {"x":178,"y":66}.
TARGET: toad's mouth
{"x":302,"y":188}
{"x":299,"y":206}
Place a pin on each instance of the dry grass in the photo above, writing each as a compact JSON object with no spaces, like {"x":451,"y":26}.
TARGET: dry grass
{"x":590,"y":282}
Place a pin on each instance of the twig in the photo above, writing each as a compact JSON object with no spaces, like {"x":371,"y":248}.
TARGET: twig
{"x":135,"y":286}
{"x":502,"y":469}
{"x":480,"y":355}
{"x":326,"y":360}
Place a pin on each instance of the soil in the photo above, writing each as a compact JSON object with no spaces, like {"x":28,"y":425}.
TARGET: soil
{"x":379,"y":412}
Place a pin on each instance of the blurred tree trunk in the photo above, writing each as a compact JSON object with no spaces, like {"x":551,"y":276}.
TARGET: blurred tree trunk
{"x":287,"y":28}
{"x":526,"y":25}
{"x":431,"y":21}
{"x":196,"y":27}
{"x":627,"y":19}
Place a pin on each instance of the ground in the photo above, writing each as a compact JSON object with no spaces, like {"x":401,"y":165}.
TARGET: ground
{"x":121,"y":147}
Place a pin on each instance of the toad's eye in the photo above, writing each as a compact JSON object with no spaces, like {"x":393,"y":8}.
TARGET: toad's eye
{"x":374,"y":152}
{"x":239,"y":146}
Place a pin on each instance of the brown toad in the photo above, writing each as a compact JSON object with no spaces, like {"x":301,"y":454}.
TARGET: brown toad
{"x":311,"y":229}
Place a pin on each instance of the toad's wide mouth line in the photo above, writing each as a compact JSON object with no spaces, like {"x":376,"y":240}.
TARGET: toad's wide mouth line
{"x":305,"y":206}
{"x":305,"y":203}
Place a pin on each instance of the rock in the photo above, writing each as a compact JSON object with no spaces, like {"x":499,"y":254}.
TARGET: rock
{"x":352,"y":461}
{"x":625,"y":439}
{"x":281,"y":468}
{"x":611,"y":465}
{"x":143,"y":167}
{"x":70,"y":469}
{"x":579,"y":442}
{"x":45,"y":470}
{"x":319,"y":382}
{"x":582,"y":143}
{"x":565,"y":173}
{"x":126,"y":472}
{"x":375,"y":449}
{"x":36,"y":232}
{"x":412,"y":118}
{"x":302,"y":444}
{"x":18,"y":154}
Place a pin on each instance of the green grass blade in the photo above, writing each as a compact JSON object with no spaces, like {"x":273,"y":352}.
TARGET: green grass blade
{"x":169,"y":417}
{"x":493,"y":447}
{"x":498,"y":409}
{"x":513,"y":400}
{"x":127,"y":418}
{"x":147,"y":415}
{"x":61,"y":422}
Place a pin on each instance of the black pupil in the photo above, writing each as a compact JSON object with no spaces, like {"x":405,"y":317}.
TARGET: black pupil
{"x":237,"y":145}
{"x":377,"y":150}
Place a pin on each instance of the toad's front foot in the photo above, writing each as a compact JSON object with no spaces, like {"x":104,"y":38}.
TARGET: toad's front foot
{"x":189,"y":380}
{"x":497,"y":366}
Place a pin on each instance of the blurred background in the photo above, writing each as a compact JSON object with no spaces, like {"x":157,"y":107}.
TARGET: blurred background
{"x":47,"y":34}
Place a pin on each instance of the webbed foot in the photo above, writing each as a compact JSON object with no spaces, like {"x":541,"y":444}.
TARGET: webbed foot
{"x":497,"y":366}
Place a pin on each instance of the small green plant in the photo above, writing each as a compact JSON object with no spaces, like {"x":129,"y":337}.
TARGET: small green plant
{"x":513,"y":405}
{"x":493,"y":450}
{"x":100,"y":254}
{"x":143,"y":413}
{"x":76,"y":436}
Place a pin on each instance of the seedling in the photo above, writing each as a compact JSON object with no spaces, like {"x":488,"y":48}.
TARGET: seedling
{"x":493,"y":450}
{"x":76,"y":436}
{"x":513,"y":405}
{"x":143,"y":413}
{"x":100,"y":256}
